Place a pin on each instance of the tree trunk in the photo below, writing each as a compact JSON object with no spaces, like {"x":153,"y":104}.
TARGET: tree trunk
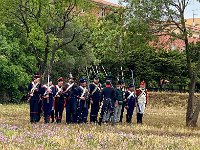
{"x":189,"y":113}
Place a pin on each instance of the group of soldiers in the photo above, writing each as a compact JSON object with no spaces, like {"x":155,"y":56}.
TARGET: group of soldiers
{"x":108,"y":103}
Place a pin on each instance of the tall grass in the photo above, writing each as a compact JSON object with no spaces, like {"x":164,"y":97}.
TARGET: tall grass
{"x":163,"y":128}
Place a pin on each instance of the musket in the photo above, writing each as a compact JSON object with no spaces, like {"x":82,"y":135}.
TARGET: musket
{"x":122,"y":73}
{"x":133,"y":81}
{"x":88,"y":84}
{"x":48,"y":87}
{"x":104,"y":70}
{"x":93,"y":69}
{"x":97,"y":70}
{"x":88,"y":78}
{"x":118,"y":77}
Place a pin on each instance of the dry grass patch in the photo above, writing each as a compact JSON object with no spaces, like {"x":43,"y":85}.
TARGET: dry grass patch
{"x":163,"y":128}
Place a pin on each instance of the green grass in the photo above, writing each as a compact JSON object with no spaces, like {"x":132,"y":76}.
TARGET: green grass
{"x":163,"y":128}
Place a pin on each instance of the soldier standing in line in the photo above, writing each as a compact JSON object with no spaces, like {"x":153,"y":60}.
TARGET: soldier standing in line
{"x":71,"y":100}
{"x":34,"y":92}
{"x":59,"y":100}
{"x":130,"y":105}
{"x":83,"y":101}
{"x":48,"y":93}
{"x":108,"y":97}
{"x":119,"y":101}
{"x":95,"y":93}
{"x":142,"y":100}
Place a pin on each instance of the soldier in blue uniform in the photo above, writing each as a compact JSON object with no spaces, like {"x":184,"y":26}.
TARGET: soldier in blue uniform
{"x":83,"y":101}
{"x":48,"y":93}
{"x":95,"y":93}
{"x":130,"y":99}
{"x":34,"y":92}
{"x":108,"y":97}
{"x":71,"y":100}
{"x":59,"y":100}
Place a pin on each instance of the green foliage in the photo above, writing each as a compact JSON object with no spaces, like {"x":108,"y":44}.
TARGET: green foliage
{"x":13,"y":70}
{"x":41,"y":34}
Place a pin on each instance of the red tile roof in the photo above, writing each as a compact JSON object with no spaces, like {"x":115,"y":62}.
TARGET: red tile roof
{"x":167,"y":42}
{"x":105,"y":3}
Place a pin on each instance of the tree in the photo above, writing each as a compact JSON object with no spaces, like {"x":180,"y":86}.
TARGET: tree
{"x":116,"y":41}
{"x":167,"y":18}
{"x":169,"y":66}
{"x":47,"y":25}
{"x":14,"y":66}
{"x":38,"y":36}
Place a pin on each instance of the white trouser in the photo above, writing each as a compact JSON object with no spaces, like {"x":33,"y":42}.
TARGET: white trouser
{"x":106,"y":116}
{"x":140,"y":107}
{"x":118,"y":110}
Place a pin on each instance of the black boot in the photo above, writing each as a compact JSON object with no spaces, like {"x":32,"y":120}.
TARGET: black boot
{"x":112,"y":120}
{"x":100,"y":121}
{"x":121,"y":117}
{"x":46,"y":119}
{"x":138,"y":118}
{"x":141,"y":116}
{"x":52,"y":116}
{"x":91,"y":119}
{"x":128,"y":119}
{"x":95,"y":119}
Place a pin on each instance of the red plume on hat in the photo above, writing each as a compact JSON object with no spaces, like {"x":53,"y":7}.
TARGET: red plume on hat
{"x":60,"y":79}
{"x":142,"y":83}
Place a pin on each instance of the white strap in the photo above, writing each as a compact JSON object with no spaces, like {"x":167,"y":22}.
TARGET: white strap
{"x":69,"y":87}
{"x":84,"y":90}
{"x":59,"y":89}
{"x":95,"y":89}
{"x":34,"y":86}
{"x":143,"y":92}
{"x":131,"y":94}
{"x":46,"y":86}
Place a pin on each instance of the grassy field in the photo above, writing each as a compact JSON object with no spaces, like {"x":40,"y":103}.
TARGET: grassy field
{"x":163,"y":128}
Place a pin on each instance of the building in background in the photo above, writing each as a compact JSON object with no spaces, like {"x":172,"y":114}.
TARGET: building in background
{"x":101,"y":8}
{"x":171,"y":43}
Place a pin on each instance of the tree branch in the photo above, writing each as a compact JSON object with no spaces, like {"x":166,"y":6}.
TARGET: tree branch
{"x":36,"y":55}
{"x":65,"y":43}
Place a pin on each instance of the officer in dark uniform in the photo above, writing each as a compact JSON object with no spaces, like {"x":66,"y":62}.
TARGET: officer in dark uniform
{"x":48,"y":93}
{"x":130,"y":97}
{"x":59,"y":100}
{"x":83,"y":101}
{"x":95,"y":93}
{"x":71,"y":100}
{"x":34,"y":92}
{"x":108,"y":97}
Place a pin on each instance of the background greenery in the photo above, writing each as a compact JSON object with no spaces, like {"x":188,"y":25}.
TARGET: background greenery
{"x":38,"y":36}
